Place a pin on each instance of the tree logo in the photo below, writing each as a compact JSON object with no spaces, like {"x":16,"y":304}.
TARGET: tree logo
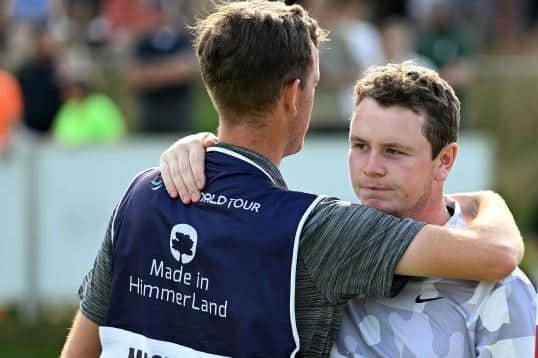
{"x":183,"y":239}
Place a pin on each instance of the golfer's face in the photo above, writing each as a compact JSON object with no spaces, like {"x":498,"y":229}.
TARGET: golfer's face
{"x":390,"y":162}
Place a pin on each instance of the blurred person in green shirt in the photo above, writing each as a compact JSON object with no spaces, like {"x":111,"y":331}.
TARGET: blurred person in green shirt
{"x":86,"y":116}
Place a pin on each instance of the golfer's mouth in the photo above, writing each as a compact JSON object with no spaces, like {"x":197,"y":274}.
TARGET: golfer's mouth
{"x":375,"y":188}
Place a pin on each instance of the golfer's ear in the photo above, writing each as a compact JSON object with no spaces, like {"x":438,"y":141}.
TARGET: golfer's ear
{"x":445,"y":161}
{"x":291,"y":96}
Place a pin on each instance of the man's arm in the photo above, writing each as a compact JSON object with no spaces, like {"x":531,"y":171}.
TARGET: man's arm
{"x":489,"y":250}
{"x":94,"y":296}
{"x":83,"y":339}
{"x":350,"y":249}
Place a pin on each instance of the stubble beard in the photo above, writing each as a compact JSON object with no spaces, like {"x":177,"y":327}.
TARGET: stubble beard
{"x":418,"y":206}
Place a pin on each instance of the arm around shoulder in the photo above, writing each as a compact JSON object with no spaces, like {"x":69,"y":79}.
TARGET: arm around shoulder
{"x":83,"y":339}
{"x":489,"y":249}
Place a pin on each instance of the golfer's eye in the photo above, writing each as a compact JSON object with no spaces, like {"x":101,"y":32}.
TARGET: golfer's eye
{"x":392,"y":151}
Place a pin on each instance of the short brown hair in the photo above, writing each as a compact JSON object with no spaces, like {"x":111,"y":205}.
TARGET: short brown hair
{"x":419,"y":89}
{"x":249,"y":50}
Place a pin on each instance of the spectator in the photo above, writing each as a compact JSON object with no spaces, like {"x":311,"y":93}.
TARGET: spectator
{"x":362,"y":36}
{"x":355,"y":45}
{"x":509,"y":19}
{"x":87,"y":116}
{"x":3,"y":27}
{"x":339,"y":68}
{"x":10,"y":106}
{"x":399,"y":42}
{"x":162,"y":74}
{"x":35,"y":10}
{"x":39,"y":82}
{"x":134,"y":16}
{"x":446,"y":42}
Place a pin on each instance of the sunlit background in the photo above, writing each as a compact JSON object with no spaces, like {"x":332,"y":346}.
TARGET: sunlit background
{"x":91,"y":91}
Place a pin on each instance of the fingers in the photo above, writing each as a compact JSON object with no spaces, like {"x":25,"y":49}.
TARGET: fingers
{"x":197,"y":161}
{"x":176,"y":178}
{"x":167,"y":177}
{"x":183,"y":166}
{"x":185,"y":171}
{"x":209,"y":140}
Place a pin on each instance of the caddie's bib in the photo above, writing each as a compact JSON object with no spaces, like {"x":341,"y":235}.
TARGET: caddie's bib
{"x":211,"y":279}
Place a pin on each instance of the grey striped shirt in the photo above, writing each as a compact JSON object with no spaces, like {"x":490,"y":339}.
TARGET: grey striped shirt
{"x":345,"y":250}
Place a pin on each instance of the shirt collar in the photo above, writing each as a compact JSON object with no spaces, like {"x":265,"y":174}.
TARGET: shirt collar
{"x":456,"y":220}
{"x":260,"y":160}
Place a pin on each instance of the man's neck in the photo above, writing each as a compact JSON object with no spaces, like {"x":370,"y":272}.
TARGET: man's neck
{"x":433,"y":211}
{"x":266,"y":140}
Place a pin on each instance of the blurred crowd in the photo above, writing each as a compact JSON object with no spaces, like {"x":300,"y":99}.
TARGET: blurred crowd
{"x":72,"y":69}
{"x":87,"y":71}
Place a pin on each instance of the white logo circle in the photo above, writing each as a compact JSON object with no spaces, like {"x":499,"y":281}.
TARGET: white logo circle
{"x":183,"y":240}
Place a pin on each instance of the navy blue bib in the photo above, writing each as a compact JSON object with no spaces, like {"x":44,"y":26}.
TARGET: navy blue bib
{"x":215,"y":278}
